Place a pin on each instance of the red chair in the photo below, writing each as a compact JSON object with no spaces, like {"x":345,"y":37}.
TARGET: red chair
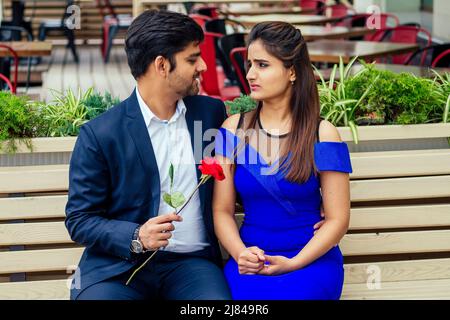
{"x":402,"y":34}
{"x":112,"y":23}
{"x":313,"y":7}
{"x":212,"y":82}
{"x":200,"y":19}
{"x":11,"y":84}
{"x":336,"y":11}
{"x":311,"y":4}
{"x":431,"y":53}
{"x":238,"y":56}
{"x":8,"y":83}
{"x":443,"y":60}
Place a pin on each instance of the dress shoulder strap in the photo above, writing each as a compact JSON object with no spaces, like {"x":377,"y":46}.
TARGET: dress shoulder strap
{"x":241,"y":120}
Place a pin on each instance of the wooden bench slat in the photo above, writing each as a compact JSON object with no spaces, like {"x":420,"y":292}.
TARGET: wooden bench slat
{"x":428,"y":289}
{"x":351,"y":244}
{"x":405,"y":153}
{"x":39,"y":260}
{"x":390,"y":242}
{"x":364,"y":218}
{"x":33,"y":233}
{"x":34,"y":178}
{"x":390,"y":217}
{"x":425,"y":269}
{"x":400,"y":188}
{"x":420,"y":290}
{"x":35,"y":290}
{"x":395,"y":242}
{"x":32,"y":207}
{"x":393,"y":132}
{"x":55,"y":177}
{"x":394,"y":165}
{"x":62,"y":259}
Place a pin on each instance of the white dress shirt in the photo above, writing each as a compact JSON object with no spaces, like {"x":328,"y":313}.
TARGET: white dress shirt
{"x":172,"y":144}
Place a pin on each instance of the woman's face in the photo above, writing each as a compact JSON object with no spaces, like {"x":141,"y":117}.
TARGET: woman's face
{"x":267,"y":76}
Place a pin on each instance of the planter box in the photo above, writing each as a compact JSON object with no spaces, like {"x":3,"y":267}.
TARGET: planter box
{"x":48,"y":151}
{"x":398,"y":137}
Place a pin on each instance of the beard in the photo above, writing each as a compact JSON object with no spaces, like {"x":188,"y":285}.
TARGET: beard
{"x":185,"y":87}
{"x":194,"y":88}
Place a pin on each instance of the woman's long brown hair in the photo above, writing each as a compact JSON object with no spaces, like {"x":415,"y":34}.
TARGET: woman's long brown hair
{"x":285,"y":42}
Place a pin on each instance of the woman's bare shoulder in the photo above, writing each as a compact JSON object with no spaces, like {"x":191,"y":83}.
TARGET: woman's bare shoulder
{"x":328,"y":132}
{"x":231,"y":122}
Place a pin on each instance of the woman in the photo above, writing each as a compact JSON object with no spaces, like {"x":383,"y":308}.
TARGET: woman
{"x":276,"y":254}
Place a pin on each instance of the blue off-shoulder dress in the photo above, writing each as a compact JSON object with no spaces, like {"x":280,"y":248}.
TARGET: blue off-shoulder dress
{"x":279,"y":219}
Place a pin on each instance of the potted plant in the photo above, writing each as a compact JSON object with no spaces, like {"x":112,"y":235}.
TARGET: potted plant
{"x":48,"y":131}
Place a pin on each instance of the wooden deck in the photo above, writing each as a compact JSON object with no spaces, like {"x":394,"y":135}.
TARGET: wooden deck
{"x":63,"y":73}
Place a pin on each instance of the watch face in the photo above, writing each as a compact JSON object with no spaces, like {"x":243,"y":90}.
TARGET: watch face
{"x":136,"y":246}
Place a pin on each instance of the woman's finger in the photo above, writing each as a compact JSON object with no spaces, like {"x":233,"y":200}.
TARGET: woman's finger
{"x":251,"y":257}
{"x":318,"y":224}
{"x":248,"y":264}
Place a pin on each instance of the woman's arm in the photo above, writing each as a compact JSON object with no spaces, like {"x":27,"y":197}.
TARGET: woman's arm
{"x":224,"y":200}
{"x":224,"y":203}
{"x":336,"y":202}
{"x":250,"y":260}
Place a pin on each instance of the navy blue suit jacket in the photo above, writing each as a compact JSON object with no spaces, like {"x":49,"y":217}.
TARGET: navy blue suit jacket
{"x":114,"y":186}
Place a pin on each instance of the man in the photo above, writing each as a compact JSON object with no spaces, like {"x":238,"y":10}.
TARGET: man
{"x":119,"y":172}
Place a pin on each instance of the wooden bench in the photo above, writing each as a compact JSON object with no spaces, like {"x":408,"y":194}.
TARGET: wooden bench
{"x":397,"y":247}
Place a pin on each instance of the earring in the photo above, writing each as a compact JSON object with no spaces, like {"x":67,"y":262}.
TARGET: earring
{"x":292,"y":82}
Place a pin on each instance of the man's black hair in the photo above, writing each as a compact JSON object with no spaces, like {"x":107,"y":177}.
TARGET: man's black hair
{"x":159,"y":33}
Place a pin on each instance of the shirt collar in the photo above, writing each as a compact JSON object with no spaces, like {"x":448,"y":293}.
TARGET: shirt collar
{"x":149,"y":115}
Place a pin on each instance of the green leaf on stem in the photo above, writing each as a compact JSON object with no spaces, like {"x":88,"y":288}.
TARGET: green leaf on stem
{"x":177,"y":199}
{"x":168,"y":199}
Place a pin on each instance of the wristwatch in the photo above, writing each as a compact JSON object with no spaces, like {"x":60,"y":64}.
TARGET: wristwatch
{"x":136,"y":244}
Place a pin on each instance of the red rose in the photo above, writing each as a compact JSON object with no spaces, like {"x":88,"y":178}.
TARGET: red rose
{"x":211,"y":167}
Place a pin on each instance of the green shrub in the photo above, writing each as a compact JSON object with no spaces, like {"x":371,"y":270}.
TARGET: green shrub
{"x":66,"y":113}
{"x":399,"y":98}
{"x":337,"y":105}
{"x":241,"y":104}
{"x":19,"y":120}
{"x":96,"y":104}
{"x":23,"y":119}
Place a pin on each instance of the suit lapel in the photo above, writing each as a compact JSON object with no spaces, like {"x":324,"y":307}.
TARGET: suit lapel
{"x":139,"y":134}
{"x":192,"y":115}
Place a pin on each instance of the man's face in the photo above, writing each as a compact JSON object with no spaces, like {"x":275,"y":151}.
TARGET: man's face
{"x":185,"y":79}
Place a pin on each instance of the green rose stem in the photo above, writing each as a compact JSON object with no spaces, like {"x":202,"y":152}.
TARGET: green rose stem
{"x":203,"y":179}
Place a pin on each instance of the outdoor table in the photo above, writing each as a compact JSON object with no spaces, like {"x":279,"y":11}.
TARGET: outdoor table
{"x":297,"y":19}
{"x":312,"y":33}
{"x":331,"y":50}
{"x":267,"y":10}
{"x":27,"y":48}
